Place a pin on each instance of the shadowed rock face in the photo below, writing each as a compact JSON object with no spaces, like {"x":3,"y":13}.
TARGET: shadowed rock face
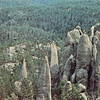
{"x":67,"y":67}
{"x":48,"y":76}
{"x":98,"y":67}
{"x":95,"y":33}
{"x":84,"y":52}
{"x":44,"y":82}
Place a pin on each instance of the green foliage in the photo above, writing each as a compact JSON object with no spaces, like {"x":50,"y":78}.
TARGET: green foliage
{"x":72,"y":94}
{"x":6,"y":82}
{"x":27,"y":90}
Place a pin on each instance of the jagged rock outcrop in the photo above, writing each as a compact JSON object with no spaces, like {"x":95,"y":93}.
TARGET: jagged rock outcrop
{"x":84,"y":54}
{"x":86,"y":57}
{"x":95,"y":35}
{"x":44,"y":82}
{"x":73,"y":38}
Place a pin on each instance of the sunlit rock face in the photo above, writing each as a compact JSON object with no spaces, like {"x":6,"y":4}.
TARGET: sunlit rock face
{"x":24,"y":73}
{"x":54,"y":55}
{"x":54,"y":60}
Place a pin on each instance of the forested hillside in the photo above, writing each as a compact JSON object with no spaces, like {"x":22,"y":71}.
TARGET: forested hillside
{"x":49,"y":49}
{"x":57,"y":19}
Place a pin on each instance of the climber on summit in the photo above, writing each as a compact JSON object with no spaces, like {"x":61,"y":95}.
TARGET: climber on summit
{"x":74,"y":35}
{"x":79,"y":29}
